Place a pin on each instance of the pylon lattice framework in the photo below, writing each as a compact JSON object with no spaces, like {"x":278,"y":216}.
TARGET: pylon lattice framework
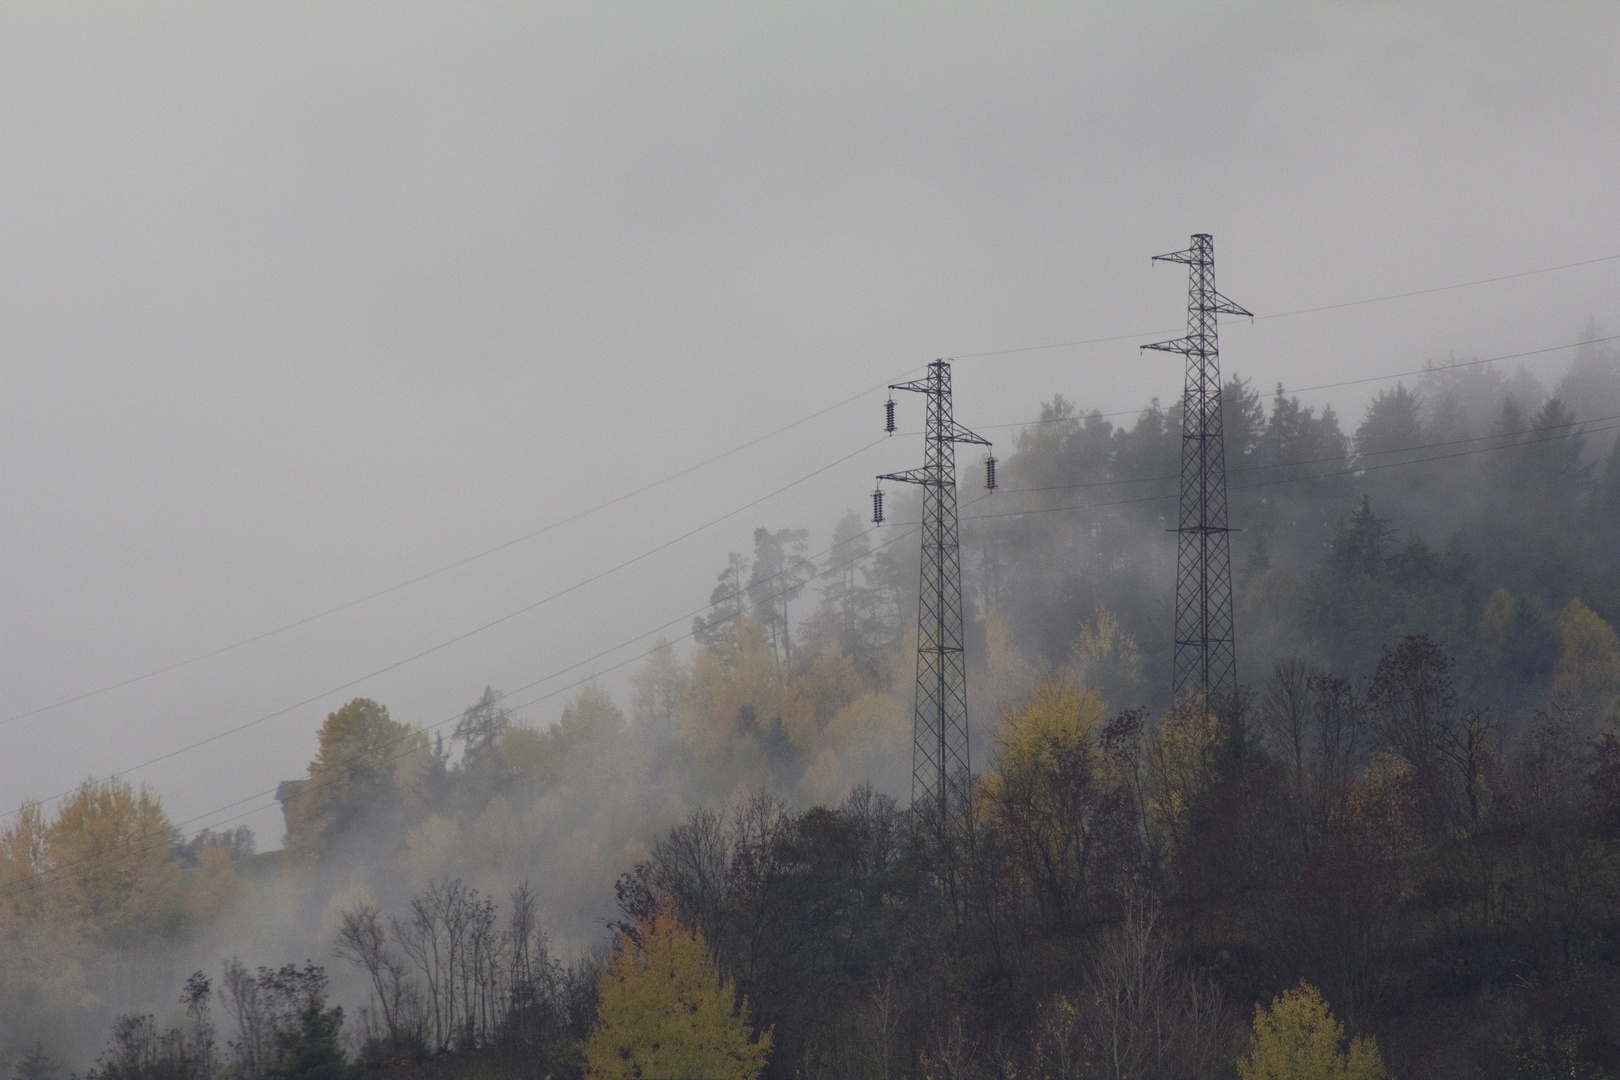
{"x":1206,"y":655}
{"x":941,"y":780}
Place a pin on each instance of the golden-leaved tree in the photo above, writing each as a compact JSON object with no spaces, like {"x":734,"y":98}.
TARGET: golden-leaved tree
{"x":1051,"y":797}
{"x":664,"y":1011}
{"x":1181,"y":763}
{"x":1298,"y":1039}
{"x":1105,"y":655}
{"x":735,"y":691}
{"x":99,"y":874}
{"x":110,"y":869}
{"x":1586,"y":678}
{"x":367,"y":771}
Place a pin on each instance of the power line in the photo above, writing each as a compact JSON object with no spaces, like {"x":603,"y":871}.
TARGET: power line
{"x":443,"y":569}
{"x":480,"y":629}
{"x":504,"y":545}
{"x":734,"y":450}
{"x":1350,"y":456}
{"x":529,"y":607}
{"x":18,"y":886}
{"x":6,"y":890}
{"x":1298,"y":479}
{"x":1441,"y":368}
{"x":61,"y":868}
{"x":1429,"y":370}
{"x":1298,"y":311}
{"x":505,"y":618}
{"x":1438,"y":288}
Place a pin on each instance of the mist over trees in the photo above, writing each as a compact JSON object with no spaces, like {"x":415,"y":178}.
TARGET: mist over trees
{"x":1399,"y":851}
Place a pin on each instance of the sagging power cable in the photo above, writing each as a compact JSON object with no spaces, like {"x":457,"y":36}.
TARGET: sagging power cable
{"x":533,"y":605}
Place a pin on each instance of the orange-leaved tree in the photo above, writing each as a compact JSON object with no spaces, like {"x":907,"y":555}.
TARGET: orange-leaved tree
{"x":664,"y":1011}
{"x":1298,"y":1039}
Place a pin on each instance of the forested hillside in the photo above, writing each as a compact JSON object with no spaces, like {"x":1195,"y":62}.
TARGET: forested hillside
{"x":1414,"y":807}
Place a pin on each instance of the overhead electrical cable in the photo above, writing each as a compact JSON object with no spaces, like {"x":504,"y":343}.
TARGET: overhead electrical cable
{"x":1313,"y":476}
{"x":628,"y":495}
{"x":1299,"y":311}
{"x":1432,"y":369}
{"x":1532,"y":441}
{"x":504,"y":545}
{"x":62,"y":868}
{"x":350,"y":684}
{"x":1354,"y":455}
{"x":1438,"y":288}
{"x":443,"y":569}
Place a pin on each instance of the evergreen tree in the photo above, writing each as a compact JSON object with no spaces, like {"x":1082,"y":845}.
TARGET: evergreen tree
{"x":728,"y":601}
{"x":35,"y":1065}
{"x":311,"y":1050}
{"x":779,"y":576}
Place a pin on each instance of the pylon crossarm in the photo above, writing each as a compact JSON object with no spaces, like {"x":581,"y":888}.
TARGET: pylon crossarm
{"x":1226,"y":307}
{"x":911,"y":476}
{"x":1178,"y":345}
{"x":1189,"y":256}
{"x":960,"y":434}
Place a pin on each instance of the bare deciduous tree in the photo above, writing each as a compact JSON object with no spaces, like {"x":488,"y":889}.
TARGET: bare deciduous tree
{"x":1148,"y":1018}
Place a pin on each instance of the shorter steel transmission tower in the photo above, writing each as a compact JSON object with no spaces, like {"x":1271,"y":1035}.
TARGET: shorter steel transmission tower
{"x":941,"y":780}
{"x":1206,"y":654}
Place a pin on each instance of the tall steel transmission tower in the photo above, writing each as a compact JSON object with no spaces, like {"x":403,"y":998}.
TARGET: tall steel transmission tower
{"x":940,"y":778}
{"x":1206,"y":657}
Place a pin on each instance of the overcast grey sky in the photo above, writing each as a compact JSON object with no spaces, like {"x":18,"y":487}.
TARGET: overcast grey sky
{"x":300,"y":301}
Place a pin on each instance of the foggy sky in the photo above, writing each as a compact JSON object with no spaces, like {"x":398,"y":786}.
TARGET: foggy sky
{"x":298,"y":302}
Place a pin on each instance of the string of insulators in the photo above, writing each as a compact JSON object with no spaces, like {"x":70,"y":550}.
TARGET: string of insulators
{"x":888,"y":416}
{"x":990,"y":473}
{"x":877,"y":507}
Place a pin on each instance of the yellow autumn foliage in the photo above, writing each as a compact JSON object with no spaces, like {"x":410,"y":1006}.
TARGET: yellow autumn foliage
{"x":1382,"y":807}
{"x":100,"y":872}
{"x":109,"y":862}
{"x":1587,"y":676}
{"x":1061,"y":716}
{"x":1180,"y":763}
{"x":1009,"y":676}
{"x":731,"y":690}
{"x":1105,"y":655}
{"x":214,"y":888}
{"x":368,"y":766}
{"x":664,"y":1011}
{"x":1496,"y":624}
{"x":1298,"y":1039}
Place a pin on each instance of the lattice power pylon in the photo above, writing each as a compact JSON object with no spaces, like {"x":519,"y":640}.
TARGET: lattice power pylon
{"x":941,"y":780}
{"x":1206,"y":655}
